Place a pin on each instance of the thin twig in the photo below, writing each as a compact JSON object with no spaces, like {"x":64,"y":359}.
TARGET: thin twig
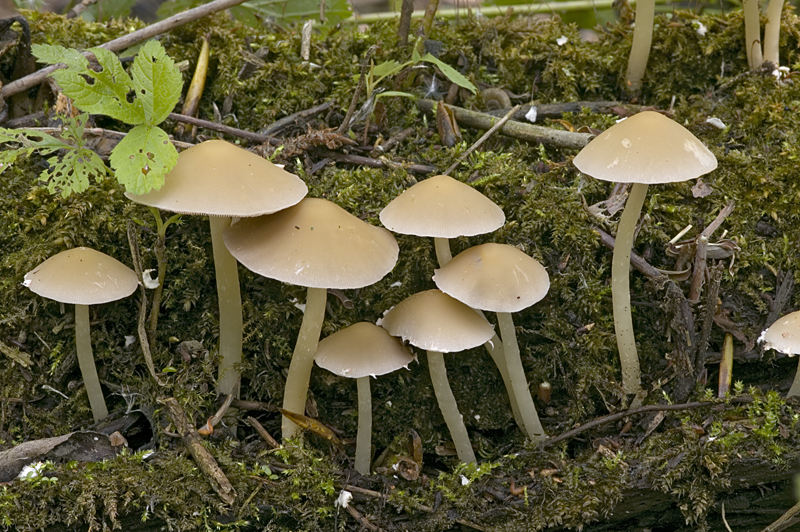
{"x":126,"y":41}
{"x":782,"y":295}
{"x":708,"y":320}
{"x":236,"y":132}
{"x":641,"y":410}
{"x":724,"y":213}
{"x":216,"y":418}
{"x":363,"y":521}
{"x":360,"y":87}
{"x":279,"y":125}
{"x":377,"y":163}
{"x":790,"y":518}
{"x":266,"y":436}
{"x":480,"y":141}
{"x":638,"y":262}
{"x":80,"y":8}
{"x":393,"y":141}
{"x":104,"y":133}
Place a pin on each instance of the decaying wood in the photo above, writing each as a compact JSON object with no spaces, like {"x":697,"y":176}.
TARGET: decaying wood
{"x":554,"y":138}
{"x":259,"y":428}
{"x":652,"y":273}
{"x":194,"y":443}
{"x":556,"y":110}
{"x":278,"y":126}
{"x":236,"y":132}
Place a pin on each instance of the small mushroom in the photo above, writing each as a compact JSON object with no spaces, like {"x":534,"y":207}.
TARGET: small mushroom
{"x":83,"y":277}
{"x":319,"y":245}
{"x":359,"y":352}
{"x":644,"y":149}
{"x":223,"y":181}
{"x":784,"y":336}
{"x":436,"y":322}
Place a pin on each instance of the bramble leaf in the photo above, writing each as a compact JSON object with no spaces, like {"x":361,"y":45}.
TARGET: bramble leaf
{"x":157,"y":82}
{"x":71,"y":172}
{"x":143,"y":158}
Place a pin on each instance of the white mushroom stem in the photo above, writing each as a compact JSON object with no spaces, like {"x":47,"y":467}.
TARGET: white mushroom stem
{"x":494,"y":346}
{"x":794,"y":391}
{"x":83,"y":344}
{"x":640,"y":48}
{"x":449,"y":408}
{"x":772,"y":32}
{"x":519,"y":383}
{"x":752,"y":33}
{"x":230,"y":309}
{"x":296,"y":391}
{"x":364,"y":435}
{"x":620,"y":290}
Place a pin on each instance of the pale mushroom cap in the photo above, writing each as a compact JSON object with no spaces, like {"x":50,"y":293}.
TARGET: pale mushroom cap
{"x":316,"y":244}
{"x":82,"y":276}
{"x":219,"y":179}
{"x":646,"y":148}
{"x":360,"y":350}
{"x":434,"y":321}
{"x":442,"y":207}
{"x":783,"y":335}
{"x":494,"y":277}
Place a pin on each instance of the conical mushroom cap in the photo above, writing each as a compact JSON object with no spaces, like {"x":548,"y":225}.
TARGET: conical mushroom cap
{"x":434,"y":321}
{"x":442,"y":207}
{"x":219,"y":179}
{"x":82,"y":276}
{"x":494,"y":277}
{"x":316,"y":244}
{"x":360,"y":350}
{"x":646,"y":148}
{"x":783,"y":335}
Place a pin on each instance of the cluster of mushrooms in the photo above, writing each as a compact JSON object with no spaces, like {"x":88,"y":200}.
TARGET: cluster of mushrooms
{"x":280,"y":234}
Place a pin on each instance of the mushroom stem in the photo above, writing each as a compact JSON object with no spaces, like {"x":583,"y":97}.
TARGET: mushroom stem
{"x":364,"y":435}
{"x":449,"y":408}
{"x":516,"y":373}
{"x":794,"y":391}
{"x":230,"y":309}
{"x":443,"y":254}
{"x":620,"y":290}
{"x":640,"y":48}
{"x":752,"y":33}
{"x":772,"y":32}
{"x":83,"y":344}
{"x":296,"y":391}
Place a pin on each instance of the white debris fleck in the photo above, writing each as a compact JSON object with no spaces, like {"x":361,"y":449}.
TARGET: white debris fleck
{"x":780,"y":72}
{"x":389,"y":404}
{"x":464,"y":480}
{"x":148,"y":281}
{"x":129,"y":341}
{"x":296,"y":303}
{"x":344,"y":499}
{"x":395,"y":285}
{"x":532,"y":114}
{"x":561,"y":41}
{"x":31,"y":471}
{"x":477,"y":417}
{"x":700,"y":28}
{"x":716,"y":122}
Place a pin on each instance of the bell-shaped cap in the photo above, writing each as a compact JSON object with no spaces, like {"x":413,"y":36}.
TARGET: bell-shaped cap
{"x":82,"y":276}
{"x":494,"y":277}
{"x":360,"y":350}
{"x":316,"y":244}
{"x":434,"y":321}
{"x":783,"y":335}
{"x":219,"y":179}
{"x":442,"y":207}
{"x":646,"y":148}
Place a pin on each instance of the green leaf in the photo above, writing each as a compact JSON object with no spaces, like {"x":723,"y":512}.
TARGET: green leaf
{"x":143,"y":158}
{"x":394,"y":93}
{"x":386,"y":68}
{"x":451,"y":73}
{"x":157,"y":82}
{"x":54,"y":54}
{"x":71,"y":172}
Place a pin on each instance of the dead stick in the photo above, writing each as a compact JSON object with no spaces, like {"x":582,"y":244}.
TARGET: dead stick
{"x":555,"y":138}
{"x":556,"y":110}
{"x":641,"y":410}
{"x":393,"y":141}
{"x":205,"y":461}
{"x":279,"y":125}
{"x":126,"y":41}
{"x":791,"y":517}
{"x":699,"y":274}
{"x":480,"y":141}
{"x":266,"y":436}
{"x":236,"y":132}
{"x":377,"y":163}
{"x":638,"y":262}
{"x":363,"y":521}
{"x":708,"y":319}
{"x":724,"y":213}
{"x":357,"y":93}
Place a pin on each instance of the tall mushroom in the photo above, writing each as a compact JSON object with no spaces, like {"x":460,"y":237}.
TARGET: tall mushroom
{"x":502,"y":279}
{"x":436,"y":322}
{"x":359,"y":352}
{"x":222,"y":181}
{"x":319,"y":245}
{"x":784,"y":336}
{"x":644,"y":149}
{"x":83,"y":277}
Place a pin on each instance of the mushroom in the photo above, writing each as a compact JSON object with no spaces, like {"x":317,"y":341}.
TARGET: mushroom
{"x":319,"y":245}
{"x":644,"y":149}
{"x":222,"y":181}
{"x":784,"y":336}
{"x":443,"y":208}
{"x":358,"y":352}
{"x":436,"y":322}
{"x":83,"y":277}
{"x":502,"y":279}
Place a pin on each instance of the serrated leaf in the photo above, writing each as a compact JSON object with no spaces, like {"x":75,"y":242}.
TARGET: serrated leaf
{"x":143,"y":158}
{"x":157,"y":82}
{"x":54,"y":54}
{"x":72,"y":171}
{"x":452,"y":74}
